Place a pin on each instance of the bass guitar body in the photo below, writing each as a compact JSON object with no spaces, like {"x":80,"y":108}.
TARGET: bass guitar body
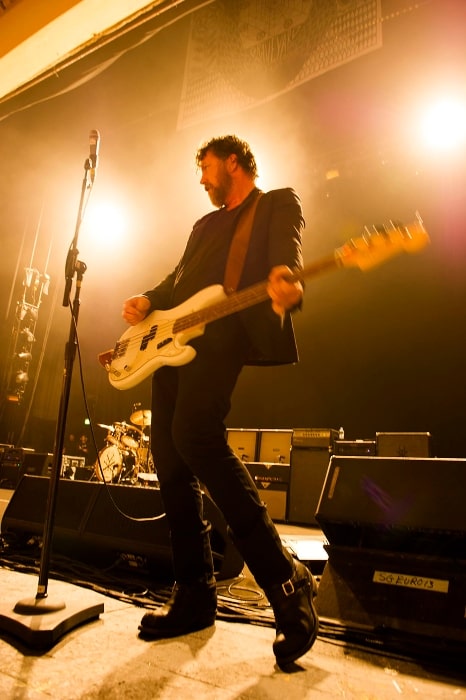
{"x":160,"y":339}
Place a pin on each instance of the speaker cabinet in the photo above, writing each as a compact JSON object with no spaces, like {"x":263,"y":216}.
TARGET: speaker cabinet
{"x":243,"y":442}
{"x":16,"y":462}
{"x":308,"y":469}
{"x":95,"y":523}
{"x":403,"y":444}
{"x":272,"y":482}
{"x":275,"y":446}
{"x":409,"y":599}
{"x":396,"y":529}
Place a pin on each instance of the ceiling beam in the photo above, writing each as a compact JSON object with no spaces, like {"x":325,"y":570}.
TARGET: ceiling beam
{"x":35,"y":36}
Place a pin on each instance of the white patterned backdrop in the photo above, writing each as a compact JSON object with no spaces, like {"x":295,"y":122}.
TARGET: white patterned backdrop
{"x":244,"y":52}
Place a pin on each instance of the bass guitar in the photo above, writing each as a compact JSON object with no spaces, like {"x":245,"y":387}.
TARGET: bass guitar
{"x":162,"y":337}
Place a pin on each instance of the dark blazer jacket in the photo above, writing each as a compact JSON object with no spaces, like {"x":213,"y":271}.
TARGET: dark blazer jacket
{"x":276,"y":239}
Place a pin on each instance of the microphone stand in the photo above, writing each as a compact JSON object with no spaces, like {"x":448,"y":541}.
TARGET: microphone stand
{"x":40,"y":621}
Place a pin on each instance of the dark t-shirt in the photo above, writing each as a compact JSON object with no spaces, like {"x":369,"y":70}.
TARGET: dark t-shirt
{"x":206,"y":254}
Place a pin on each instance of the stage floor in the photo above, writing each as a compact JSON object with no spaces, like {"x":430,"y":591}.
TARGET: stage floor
{"x":103,"y":657}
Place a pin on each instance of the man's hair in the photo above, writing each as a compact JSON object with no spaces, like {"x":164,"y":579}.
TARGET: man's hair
{"x":224,"y":146}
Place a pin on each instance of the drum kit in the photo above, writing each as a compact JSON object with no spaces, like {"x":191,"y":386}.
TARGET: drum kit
{"x":127,"y":452}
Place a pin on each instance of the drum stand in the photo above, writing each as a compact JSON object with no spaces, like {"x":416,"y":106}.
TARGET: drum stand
{"x":41,"y":621}
{"x":141,"y":455}
{"x":144,"y":461}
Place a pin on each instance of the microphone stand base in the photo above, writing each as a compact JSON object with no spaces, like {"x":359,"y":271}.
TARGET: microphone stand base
{"x":38,"y":606}
{"x":40,"y":623}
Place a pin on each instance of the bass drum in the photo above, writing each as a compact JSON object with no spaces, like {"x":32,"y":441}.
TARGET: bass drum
{"x":111,"y":464}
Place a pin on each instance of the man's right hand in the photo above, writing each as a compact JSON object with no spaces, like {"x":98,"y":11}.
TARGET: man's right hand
{"x":135,"y":309}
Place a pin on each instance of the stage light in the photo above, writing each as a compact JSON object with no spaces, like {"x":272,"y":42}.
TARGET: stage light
{"x":28,"y":312}
{"x":45,"y":279}
{"x":29,"y":335}
{"x":105,"y":227}
{"x":21,"y":377}
{"x":28,"y":272}
{"x":332,"y":174}
{"x":24,"y":356}
{"x":443,"y":126}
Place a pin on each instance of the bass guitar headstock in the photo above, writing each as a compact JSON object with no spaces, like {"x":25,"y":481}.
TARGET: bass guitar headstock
{"x":378,"y":245}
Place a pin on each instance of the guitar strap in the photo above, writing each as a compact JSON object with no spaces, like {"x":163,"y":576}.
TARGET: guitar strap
{"x":239,"y":245}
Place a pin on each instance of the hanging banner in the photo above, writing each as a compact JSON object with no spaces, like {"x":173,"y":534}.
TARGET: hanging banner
{"x":242,"y":53}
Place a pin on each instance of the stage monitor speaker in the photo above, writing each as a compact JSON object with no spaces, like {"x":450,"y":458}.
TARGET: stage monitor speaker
{"x":396,"y":504}
{"x":96,"y":523}
{"x":308,"y":469}
{"x":396,"y":529}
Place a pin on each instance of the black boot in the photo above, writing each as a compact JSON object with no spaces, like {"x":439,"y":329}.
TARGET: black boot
{"x":270,"y":563}
{"x":191,"y":607}
{"x":296,"y":618}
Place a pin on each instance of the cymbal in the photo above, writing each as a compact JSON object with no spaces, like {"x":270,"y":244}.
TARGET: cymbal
{"x":107,"y":427}
{"x":141,"y":417}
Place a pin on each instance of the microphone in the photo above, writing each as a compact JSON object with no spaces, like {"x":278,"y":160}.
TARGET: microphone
{"x":94,"y":145}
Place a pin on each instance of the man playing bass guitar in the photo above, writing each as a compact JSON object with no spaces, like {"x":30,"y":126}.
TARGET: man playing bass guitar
{"x":191,"y":401}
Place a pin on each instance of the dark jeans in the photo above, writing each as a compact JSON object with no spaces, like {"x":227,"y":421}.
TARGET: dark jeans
{"x":189,"y":406}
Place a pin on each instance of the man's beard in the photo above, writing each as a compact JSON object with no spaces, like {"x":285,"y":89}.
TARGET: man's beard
{"x":219,"y":194}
